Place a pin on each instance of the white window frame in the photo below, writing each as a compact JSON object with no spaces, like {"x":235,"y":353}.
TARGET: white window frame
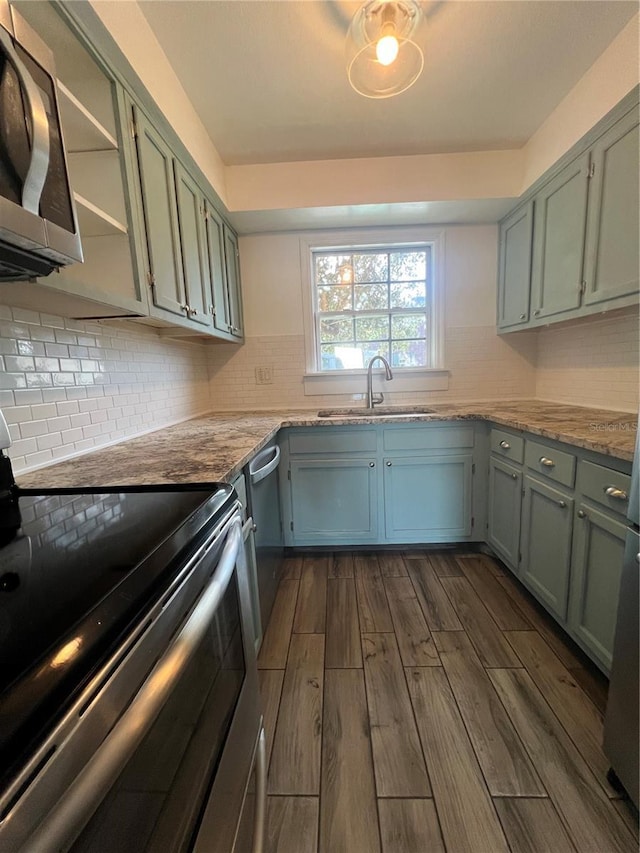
{"x":350,"y":381}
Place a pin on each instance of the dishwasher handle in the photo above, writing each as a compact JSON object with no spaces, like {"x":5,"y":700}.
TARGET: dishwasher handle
{"x":257,"y":470}
{"x":79,"y":801}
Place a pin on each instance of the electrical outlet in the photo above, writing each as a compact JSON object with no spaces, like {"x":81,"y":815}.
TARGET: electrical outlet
{"x":264,"y":375}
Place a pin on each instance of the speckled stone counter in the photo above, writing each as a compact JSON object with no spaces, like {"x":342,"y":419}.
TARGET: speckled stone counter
{"x":215,"y":447}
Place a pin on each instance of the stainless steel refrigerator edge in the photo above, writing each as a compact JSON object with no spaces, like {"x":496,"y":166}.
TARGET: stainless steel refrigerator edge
{"x":621,"y":734}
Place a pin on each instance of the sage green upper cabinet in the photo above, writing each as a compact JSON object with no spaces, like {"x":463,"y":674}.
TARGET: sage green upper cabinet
{"x":611,"y":262}
{"x":214,"y":227}
{"x":514,"y":284}
{"x":232,"y":266}
{"x":193,"y":243}
{"x":559,"y":228}
{"x":584,"y":245}
{"x":159,"y":204}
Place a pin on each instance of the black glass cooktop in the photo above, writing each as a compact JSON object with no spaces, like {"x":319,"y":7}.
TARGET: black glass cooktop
{"x":77,"y":571}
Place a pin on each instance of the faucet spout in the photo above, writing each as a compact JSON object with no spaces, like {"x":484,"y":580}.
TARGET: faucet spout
{"x":376,"y":399}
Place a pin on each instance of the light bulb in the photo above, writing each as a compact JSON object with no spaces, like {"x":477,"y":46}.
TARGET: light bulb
{"x":387,"y":50}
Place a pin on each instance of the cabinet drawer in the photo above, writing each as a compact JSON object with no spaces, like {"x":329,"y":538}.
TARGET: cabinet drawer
{"x":342,"y":441}
{"x":507,"y":445}
{"x":552,"y":463}
{"x":604,"y":486}
{"x":427,"y":438}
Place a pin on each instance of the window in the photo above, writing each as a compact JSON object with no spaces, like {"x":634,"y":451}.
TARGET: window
{"x":371,"y":301}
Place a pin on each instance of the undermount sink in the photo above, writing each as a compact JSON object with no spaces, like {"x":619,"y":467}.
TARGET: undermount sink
{"x":378,"y":412}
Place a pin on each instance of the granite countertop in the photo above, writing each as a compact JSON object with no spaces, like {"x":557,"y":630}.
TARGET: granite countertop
{"x":215,"y":447}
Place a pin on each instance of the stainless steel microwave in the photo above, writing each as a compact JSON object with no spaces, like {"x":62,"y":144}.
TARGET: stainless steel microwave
{"x":38,"y":223}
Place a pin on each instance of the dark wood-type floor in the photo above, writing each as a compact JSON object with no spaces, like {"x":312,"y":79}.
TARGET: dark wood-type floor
{"x":421,"y":702}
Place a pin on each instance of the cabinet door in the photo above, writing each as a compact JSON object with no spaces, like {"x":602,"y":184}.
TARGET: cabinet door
{"x":232,"y":266}
{"x":217,"y":270}
{"x":195,"y":267}
{"x":514,"y":277}
{"x":611,"y":262}
{"x":427,"y":499}
{"x":334,"y":501}
{"x":558,"y":241}
{"x":505,"y":504}
{"x":157,"y":184}
{"x":547,"y":522}
{"x":598,"y":553}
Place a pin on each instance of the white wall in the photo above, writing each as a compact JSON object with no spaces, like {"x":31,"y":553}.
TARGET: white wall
{"x":481,"y":364}
{"x":134,"y":36}
{"x":608,"y":80}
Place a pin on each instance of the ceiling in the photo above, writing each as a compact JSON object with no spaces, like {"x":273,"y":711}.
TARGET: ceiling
{"x":268,"y":80}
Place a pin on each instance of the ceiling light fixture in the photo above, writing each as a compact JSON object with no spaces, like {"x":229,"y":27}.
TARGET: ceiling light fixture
{"x":384,"y":53}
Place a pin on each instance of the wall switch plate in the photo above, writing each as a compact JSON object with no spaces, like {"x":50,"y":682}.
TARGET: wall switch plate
{"x":264,"y":375}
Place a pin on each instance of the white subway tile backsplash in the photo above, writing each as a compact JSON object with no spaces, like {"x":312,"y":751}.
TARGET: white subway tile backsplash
{"x":70,"y":386}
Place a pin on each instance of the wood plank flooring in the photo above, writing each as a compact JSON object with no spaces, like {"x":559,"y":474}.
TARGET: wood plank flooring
{"x":421,"y":702}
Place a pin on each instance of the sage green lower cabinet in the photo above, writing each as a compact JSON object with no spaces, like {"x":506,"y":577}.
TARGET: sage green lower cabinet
{"x":505,"y":506}
{"x":334,"y":501}
{"x":598,"y":550}
{"x":547,"y":524}
{"x":427,"y":499}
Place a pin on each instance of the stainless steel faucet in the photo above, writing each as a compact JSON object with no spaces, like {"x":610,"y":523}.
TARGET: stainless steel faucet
{"x":375,"y":399}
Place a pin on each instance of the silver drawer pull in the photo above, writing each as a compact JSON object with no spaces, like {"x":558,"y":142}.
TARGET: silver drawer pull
{"x":548,"y":463}
{"x":582,"y":513}
{"x":514,"y":476}
{"x":505,"y":445}
{"x":618,"y":494}
{"x":562,"y":504}
{"x":373,"y":464}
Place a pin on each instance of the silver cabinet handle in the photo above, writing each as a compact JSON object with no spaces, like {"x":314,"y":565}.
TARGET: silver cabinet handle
{"x":523,"y":316}
{"x":637,"y":558}
{"x":505,"y":445}
{"x":614,"y":492}
{"x":548,"y":463}
{"x":514,"y":476}
{"x":582,"y":513}
{"x":39,"y":165}
{"x":103,"y":768}
{"x":537,"y":312}
{"x":562,"y":504}
{"x":373,"y":464}
{"x":389,"y":464}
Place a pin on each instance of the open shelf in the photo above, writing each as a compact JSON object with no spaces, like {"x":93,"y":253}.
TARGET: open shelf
{"x":83,"y":131}
{"x":94,"y":222}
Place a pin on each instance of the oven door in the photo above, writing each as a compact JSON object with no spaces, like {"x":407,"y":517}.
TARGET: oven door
{"x":178,"y":747}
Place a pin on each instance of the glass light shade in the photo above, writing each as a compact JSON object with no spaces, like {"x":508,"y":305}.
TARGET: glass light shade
{"x":377,"y":20}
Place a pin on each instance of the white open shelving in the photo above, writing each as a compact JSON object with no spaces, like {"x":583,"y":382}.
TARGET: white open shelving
{"x":83,"y":131}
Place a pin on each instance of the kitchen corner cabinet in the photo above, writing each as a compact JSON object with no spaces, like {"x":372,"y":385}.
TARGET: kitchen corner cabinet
{"x":91,"y":103}
{"x":227,"y":304}
{"x":547,"y":524}
{"x":516,"y":234}
{"x":584,"y":249}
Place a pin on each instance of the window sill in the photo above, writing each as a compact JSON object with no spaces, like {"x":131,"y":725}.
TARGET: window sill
{"x":404,"y":381}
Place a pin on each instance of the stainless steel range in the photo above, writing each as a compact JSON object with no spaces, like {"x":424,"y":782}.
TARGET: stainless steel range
{"x":129,"y":705}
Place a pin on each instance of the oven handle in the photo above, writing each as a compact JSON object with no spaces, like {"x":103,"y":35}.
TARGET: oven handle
{"x":39,"y":165}
{"x":81,"y":799}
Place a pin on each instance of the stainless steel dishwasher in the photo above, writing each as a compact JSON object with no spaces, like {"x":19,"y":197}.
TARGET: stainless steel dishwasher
{"x":264,"y":506}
